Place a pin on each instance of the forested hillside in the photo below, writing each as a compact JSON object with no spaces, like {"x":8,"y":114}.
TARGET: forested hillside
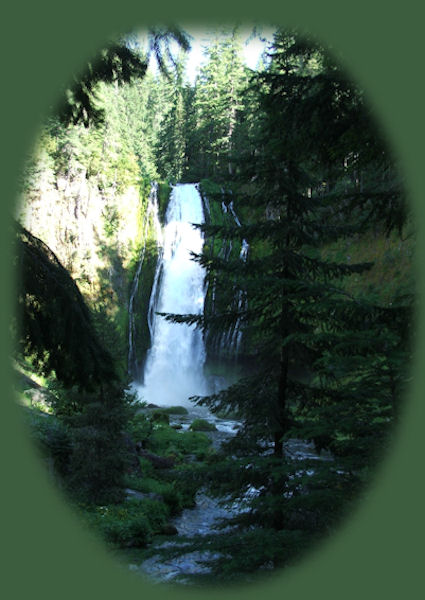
{"x":307,"y":255}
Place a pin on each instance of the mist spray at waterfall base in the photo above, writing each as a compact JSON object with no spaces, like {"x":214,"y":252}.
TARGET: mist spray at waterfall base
{"x":174,"y":368}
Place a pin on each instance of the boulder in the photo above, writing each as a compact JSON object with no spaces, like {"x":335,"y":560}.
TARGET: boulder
{"x":202,"y":425}
{"x":169,"y":529}
{"x":143,"y":495}
{"x":159,"y":462}
{"x":40,"y":398}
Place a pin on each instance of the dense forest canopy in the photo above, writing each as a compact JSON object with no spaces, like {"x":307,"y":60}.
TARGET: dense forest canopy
{"x":309,"y":290}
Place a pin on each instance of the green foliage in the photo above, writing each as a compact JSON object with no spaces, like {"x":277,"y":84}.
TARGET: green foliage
{"x":52,"y":437}
{"x":392,"y":264}
{"x":85,"y":440}
{"x":99,"y":454}
{"x":112,"y":333}
{"x":174,"y":498}
{"x":55,"y":327}
{"x":142,"y":285}
{"x":164,"y":191}
{"x":210,"y":189}
{"x":249,"y":556}
{"x":166,"y":441}
{"x":202,"y":425}
{"x":157,"y":436}
{"x":146,"y":467}
{"x":130,"y":524}
{"x":117,"y":63}
{"x":171,"y":143}
{"x":160,"y":418}
{"x":214,"y":108}
{"x":140,"y":428}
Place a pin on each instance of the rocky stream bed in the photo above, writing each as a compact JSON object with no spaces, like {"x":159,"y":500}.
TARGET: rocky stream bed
{"x":202,"y":519}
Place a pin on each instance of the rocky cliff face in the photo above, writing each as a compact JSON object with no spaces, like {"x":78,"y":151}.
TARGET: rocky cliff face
{"x":95,"y":229}
{"x":88,"y":229}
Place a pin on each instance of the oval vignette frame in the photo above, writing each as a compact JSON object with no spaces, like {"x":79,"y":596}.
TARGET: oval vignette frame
{"x":377,"y":551}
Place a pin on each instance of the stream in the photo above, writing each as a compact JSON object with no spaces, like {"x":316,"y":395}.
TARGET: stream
{"x":202,"y":519}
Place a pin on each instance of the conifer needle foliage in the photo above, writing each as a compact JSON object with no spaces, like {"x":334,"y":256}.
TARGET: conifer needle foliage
{"x":55,"y":327}
{"x":326,"y":366}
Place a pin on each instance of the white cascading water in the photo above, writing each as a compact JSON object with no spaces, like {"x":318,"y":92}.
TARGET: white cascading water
{"x":174,"y":365}
{"x":150,"y":216}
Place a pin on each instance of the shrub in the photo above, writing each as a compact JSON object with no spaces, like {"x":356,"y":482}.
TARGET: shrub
{"x":173,"y":498}
{"x":140,"y":428}
{"x":166,"y":440}
{"x":129,"y":532}
{"x":158,"y":416}
{"x":146,"y":467}
{"x":53,"y":439}
{"x":129,"y":524}
{"x":99,"y":456}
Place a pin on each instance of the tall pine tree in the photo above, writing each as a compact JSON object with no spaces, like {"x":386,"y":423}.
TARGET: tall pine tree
{"x":329,"y":367}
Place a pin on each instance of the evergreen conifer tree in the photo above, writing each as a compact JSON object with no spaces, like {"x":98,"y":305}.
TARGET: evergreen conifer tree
{"x":171,"y":144}
{"x":329,"y":367}
{"x":217,"y":101}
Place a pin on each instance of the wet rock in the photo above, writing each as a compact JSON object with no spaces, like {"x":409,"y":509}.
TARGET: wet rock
{"x":202,"y":425}
{"x":159,"y":462}
{"x":40,"y":398}
{"x":186,"y":564}
{"x":143,"y":495}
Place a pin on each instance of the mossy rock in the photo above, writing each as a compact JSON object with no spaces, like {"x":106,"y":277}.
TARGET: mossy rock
{"x":202,"y":425}
{"x":158,"y":416}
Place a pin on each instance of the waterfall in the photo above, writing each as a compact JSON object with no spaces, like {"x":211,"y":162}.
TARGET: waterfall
{"x":151,"y":216}
{"x":230,"y":340}
{"x":175,"y":361}
{"x":243,"y":255}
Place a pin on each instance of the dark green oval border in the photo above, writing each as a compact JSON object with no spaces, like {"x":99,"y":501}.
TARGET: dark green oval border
{"x":377,"y":554}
